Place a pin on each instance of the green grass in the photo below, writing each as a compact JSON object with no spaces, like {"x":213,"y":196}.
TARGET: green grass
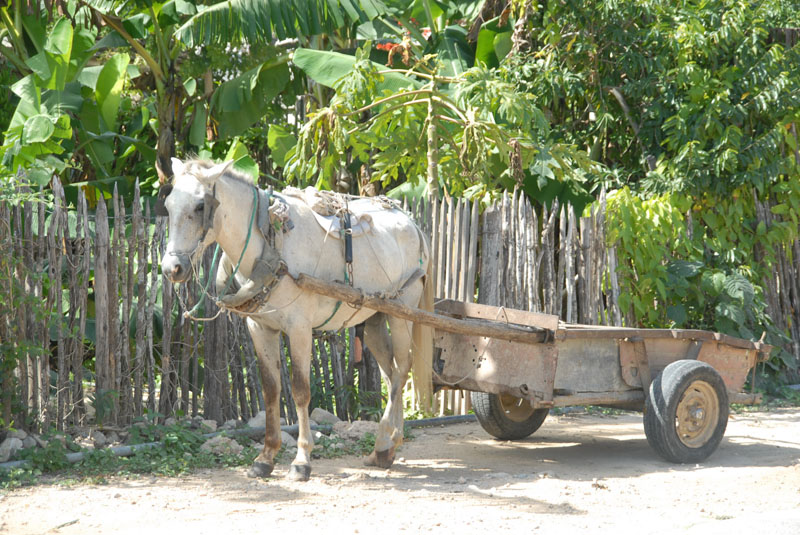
{"x":179,"y":455}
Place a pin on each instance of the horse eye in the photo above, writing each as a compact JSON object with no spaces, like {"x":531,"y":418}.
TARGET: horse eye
{"x":199,"y":207}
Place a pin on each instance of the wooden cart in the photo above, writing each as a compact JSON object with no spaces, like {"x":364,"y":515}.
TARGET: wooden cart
{"x":518,"y":365}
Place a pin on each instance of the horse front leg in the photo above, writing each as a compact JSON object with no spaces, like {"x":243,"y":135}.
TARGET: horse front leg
{"x":300,"y":342}
{"x":267,"y":344}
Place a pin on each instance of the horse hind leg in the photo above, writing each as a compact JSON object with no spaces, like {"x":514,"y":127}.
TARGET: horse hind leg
{"x":394,"y":361}
{"x":267,"y":345}
{"x":300,"y":342}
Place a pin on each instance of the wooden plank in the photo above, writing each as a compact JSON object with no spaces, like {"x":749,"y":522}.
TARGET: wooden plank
{"x":512,"y":240}
{"x":624,"y":398}
{"x":574,"y":331}
{"x":6,"y":287}
{"x":44,"y":331}
{"x":473,"y":249}
{"x":533,"y":260}
{"x":20,"y":273}
{"x":55,"y":244}
{"x":448,"y":258}
{"x":114,"y":343}
{"x":72,"y":244}
{"x":139,"y":230}
{"x":101,"y":299}
{"x":519,"y":256}
{"x":158,"y":232}
{"x":548,"y":237}
{"x":463,"y":248}
{"x":561,"y":272}
{"x":571,"y":257}
{"x":491,"y":251}
{"x":394,"y":307}
{"x":126,"y":250}
{"x":498,"y":314}
{"x":441,"y":254}
{"x":186,"y":349}
{"x":502,"y":266}
{"x":32,"y":396}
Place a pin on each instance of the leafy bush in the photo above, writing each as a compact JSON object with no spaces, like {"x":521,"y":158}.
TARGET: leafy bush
{"x":689,"y":263}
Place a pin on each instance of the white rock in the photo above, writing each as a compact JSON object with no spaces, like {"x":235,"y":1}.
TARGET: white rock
{"x":259,"y":420}
{"x":355,"y":431}
{"x":85,"y":443}
{"x":9,"y":447}
{"x":29,"y":442}
{"x":211,"y":424}
{"x":220,"y":445}
{"x":170,"y":421}
{"x":322,"y":416}
{"x":98,"y":438}
{"x":17,"y":433}
{"x":288,"y":440}
{"x":230,"y":424}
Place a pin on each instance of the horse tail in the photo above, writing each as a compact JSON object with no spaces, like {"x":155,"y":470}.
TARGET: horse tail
{"x":422,"y":335}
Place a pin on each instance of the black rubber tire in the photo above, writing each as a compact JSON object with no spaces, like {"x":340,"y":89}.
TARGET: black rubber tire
{"x":495,"y":420}
{"x":684,"y":387}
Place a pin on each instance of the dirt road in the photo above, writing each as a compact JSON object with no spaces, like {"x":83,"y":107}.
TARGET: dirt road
{"x":577,"y":474}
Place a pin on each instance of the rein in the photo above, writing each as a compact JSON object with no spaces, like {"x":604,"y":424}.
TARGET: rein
{"x":191,"y":313}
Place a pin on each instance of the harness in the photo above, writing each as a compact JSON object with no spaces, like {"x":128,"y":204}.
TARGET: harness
{"x":269,"y":214}
{"x":347,"y":234}
{"x":268,"y":269}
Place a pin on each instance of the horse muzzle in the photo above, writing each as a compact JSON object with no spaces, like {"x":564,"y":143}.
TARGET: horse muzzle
{"x":176,"y":266}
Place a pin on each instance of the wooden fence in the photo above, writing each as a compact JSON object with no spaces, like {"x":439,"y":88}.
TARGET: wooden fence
{"x":120,"y":316}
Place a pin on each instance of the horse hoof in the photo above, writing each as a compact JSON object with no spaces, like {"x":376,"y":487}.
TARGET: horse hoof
{"x":299,"y":472}
{"x":381,"y":459}
{"x":259,"y":470}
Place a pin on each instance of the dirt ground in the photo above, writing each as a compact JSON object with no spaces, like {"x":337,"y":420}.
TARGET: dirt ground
{"x":579,"y":473}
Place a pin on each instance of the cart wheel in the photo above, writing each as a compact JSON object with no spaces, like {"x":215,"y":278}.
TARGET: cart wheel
{"x":507,"y":417}
{"x":686,"y":411}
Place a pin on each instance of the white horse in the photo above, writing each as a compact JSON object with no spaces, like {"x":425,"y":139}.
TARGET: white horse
{"x":212,"y":203}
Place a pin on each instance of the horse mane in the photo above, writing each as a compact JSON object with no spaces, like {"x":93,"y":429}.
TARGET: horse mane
{"x":193,"y":163}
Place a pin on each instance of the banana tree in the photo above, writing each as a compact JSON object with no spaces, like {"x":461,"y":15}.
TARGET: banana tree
{"x":165,"y":35}
{"x":68,"y":110}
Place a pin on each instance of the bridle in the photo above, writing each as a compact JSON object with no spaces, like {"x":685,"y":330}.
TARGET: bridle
{"x":210,"y":204}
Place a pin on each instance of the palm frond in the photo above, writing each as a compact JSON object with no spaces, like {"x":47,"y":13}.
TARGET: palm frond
{"x":257,"y":21}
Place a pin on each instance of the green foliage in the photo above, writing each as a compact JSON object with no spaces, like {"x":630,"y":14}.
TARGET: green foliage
{"x":53,"y":456}
{"x":69,"y":111}
{"x":489,"y":135}
{"x":705,"y":272}
{"x":709,"y":86}
{"x":261,"y":21}
{"x":16,"y":345}
{"x":103,"y":403}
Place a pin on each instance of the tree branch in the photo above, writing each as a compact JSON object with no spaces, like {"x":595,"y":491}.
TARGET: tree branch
{"x":651,"y":161}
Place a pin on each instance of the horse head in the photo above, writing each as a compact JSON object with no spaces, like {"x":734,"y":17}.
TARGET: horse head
{"x":190,"y":204}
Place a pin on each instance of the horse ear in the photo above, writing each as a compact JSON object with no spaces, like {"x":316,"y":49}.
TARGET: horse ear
{"x":177,"y":167}
{"x":211,"y":174}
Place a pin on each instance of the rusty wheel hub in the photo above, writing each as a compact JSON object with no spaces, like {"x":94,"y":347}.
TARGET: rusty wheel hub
{"x":697,"y":414}
{"x":516,"y":409}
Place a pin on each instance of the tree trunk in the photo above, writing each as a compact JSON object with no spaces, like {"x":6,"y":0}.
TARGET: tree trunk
{"x":165,"y":148}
